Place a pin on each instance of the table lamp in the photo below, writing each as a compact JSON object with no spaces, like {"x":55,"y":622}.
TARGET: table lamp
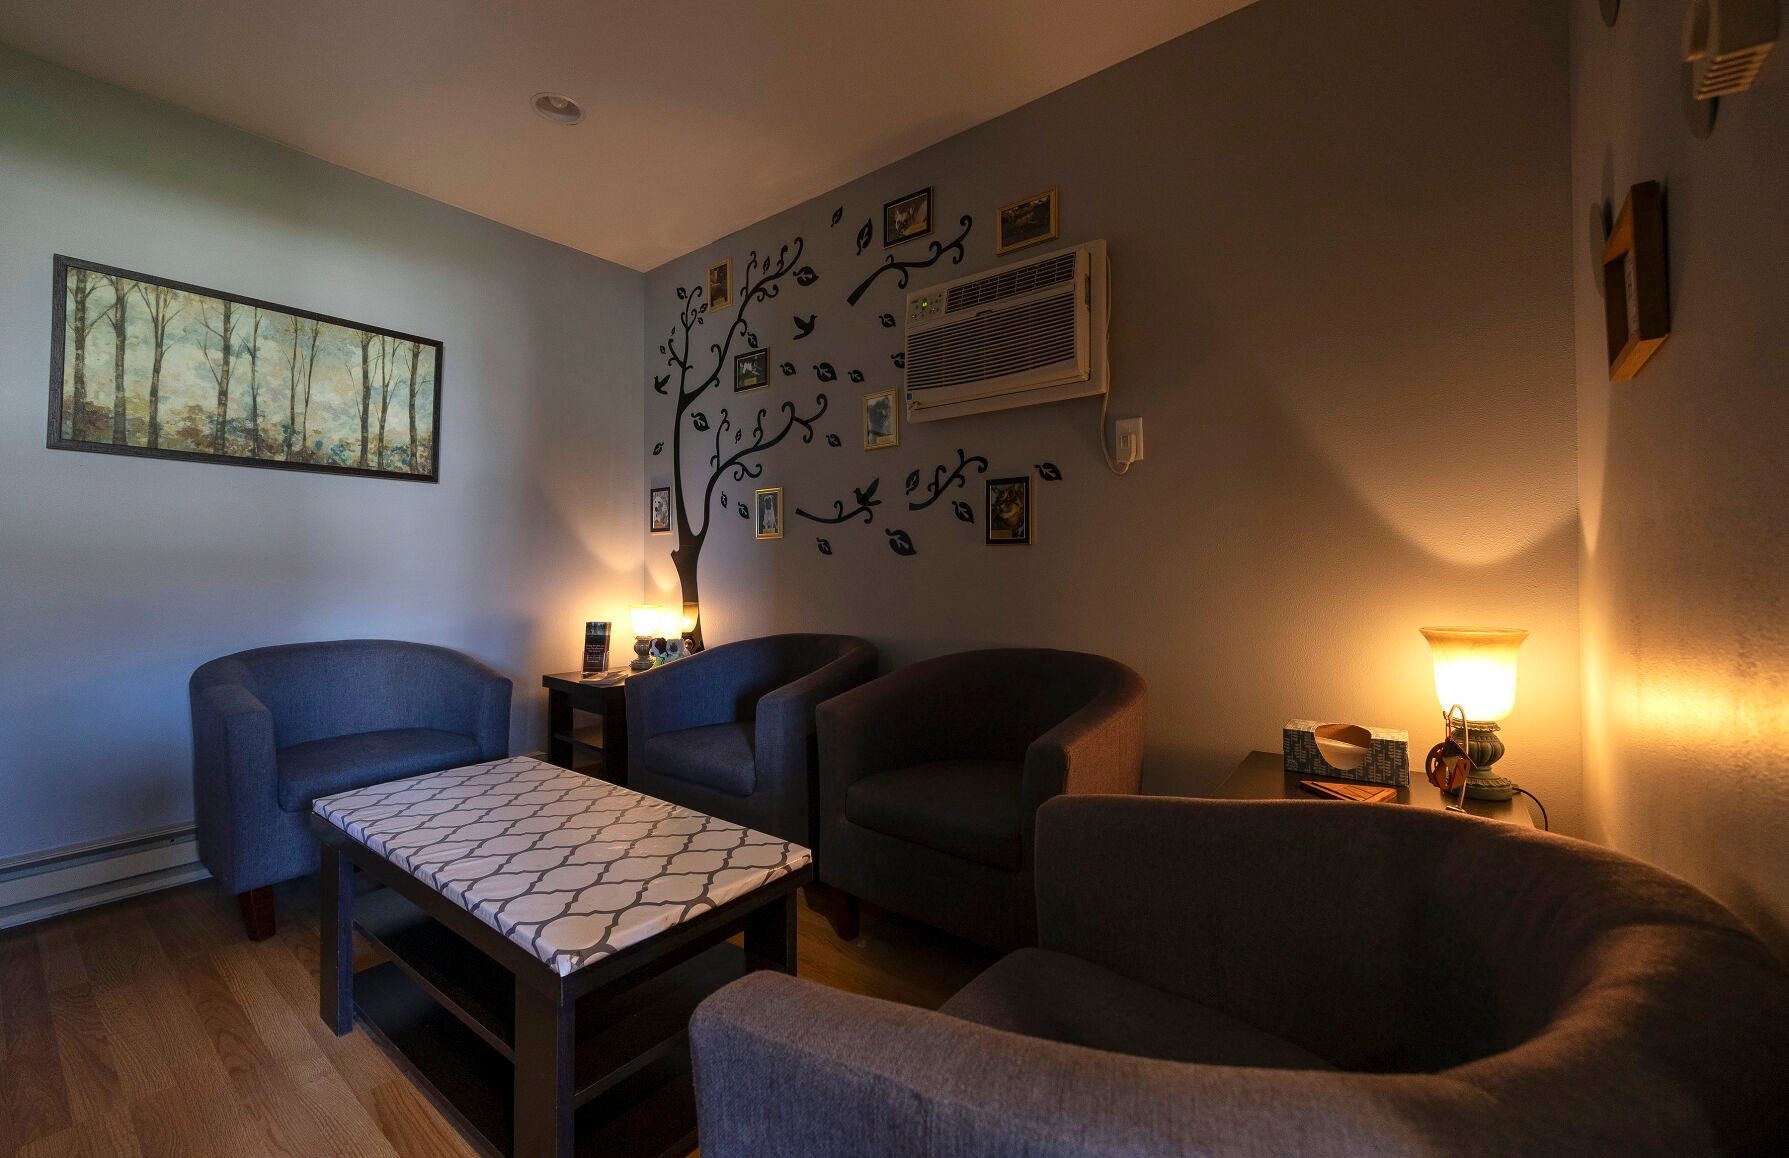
{"x":692,"y":614}
{"x":1475,"y":669}
{"x":645,"y":618}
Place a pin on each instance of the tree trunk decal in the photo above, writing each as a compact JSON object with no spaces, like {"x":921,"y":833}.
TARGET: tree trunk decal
{"x":762,"y":281}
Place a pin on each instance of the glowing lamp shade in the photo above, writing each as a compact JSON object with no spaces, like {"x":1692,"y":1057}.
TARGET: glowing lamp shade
{"x":691,"y":613}
{"x":646,"y":618}
{"x":1475,"y":667}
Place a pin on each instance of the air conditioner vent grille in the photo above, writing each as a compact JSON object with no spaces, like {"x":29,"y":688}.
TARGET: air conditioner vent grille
{"x":1012,"y":341}
{"x":1011,"y":283}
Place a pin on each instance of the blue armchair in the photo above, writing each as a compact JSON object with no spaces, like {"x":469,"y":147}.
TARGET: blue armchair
{"x":730,"y":731}
{"x":277,"y":727}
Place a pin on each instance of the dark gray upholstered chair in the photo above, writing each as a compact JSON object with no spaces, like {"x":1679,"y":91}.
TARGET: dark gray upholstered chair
{"x":931,"y":778}
{"x":277,"y":727}
{"x":730,"y":730}
{"x":1287,"y":977}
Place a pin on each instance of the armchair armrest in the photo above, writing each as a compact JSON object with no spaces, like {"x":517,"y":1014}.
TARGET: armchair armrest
{"x":235,"y":782}
{"x":785,"y":737}
{"x":690,"y":693}
{"x":787,"y":1066}
{"x":1099,"y":749}
{"x":902,"y":719}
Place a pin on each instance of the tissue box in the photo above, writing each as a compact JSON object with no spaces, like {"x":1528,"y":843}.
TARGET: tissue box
{"x":1387,"y":752}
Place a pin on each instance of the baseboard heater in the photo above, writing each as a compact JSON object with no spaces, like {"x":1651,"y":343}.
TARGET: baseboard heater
{"x":48,"y":884}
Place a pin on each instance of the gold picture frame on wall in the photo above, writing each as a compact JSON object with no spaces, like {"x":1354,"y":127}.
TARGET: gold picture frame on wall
{"x":720,"y":284}
{"x":767,"y":513}
{"x":1027,"y":221}
{"x":881,"y":421}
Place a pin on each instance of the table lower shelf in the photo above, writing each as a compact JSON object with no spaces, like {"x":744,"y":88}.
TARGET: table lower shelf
{"x":446,"y":1014}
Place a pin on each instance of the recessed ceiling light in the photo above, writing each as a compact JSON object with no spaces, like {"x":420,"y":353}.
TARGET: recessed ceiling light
{"x":561,"y":110}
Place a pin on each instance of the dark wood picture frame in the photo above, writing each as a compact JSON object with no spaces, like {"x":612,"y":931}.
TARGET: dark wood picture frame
{"x":59,"y":322}
{"x":1636,"y":282}
{"x":739,"y":360}
{"x":723,"y":299}
{"x":652,"y":511}
{"x":994,"y":485}
{"x":889,"y":237}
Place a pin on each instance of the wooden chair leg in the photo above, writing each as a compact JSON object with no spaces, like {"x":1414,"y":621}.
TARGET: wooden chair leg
{"x":841,"y":910}
{"x":257,"y":912}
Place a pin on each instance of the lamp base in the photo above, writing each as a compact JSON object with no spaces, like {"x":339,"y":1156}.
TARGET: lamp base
{"x":1484,"y":749}
{"x":642,"y":649}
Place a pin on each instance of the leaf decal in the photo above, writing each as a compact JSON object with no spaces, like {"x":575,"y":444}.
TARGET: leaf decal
{"x":1049,"y":472}
{"x":743,"y":513}
{"x":660,"y":382}
{"x":751,"y":339}
{"x":887,"y":320}
{"x":825,"y":372}
{"x":833,"y":440}
{"x":658,"y":448}
{"x":899,"y":358}
{"x":864,"y":234}
{"x":804,"y":326}
{"x":962,"y":511}
{"x":900,"y":543}
{"x":825,"y":547}
{"x":788,"y":369}
{"x":837,"y":214}
{"x":913,"y":481}
{"x":806,"y":275}
{"x":738,"y":434}
{"x":724,"y":503}
{"x":682,"y":293}
{"x":699,"y":420}
{"x":856,"y":375}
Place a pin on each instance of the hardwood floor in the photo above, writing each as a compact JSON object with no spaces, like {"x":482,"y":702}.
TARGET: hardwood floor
{"x":155,"y":1027}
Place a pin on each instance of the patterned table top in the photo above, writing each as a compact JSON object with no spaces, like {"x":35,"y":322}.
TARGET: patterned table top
{"x":570,"y":868}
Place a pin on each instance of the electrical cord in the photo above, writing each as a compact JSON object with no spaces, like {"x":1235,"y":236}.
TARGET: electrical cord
{"x":1546,"y":825}
{"x":1105,"y":395}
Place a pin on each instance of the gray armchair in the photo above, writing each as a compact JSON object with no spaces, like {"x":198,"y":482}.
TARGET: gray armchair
{"x":275,"y":728}
{"x":1287,"y":977}
{"x":730,"y":731}
{"x":931,"y":778}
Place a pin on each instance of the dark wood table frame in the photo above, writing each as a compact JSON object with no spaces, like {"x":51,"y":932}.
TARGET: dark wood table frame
{"x":589,"y":1041}
{"x":567,"y":695}
{"x":1263,"y":776}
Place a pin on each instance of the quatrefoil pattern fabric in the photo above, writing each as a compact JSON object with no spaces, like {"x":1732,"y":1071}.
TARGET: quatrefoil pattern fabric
{"x":569,"y":867}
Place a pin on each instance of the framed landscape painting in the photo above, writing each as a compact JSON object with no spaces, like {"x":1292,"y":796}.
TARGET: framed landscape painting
{"x":143,"y":366}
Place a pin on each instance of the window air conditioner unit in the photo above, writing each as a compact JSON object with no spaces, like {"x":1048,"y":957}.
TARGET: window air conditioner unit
{"x":1030,"y":332}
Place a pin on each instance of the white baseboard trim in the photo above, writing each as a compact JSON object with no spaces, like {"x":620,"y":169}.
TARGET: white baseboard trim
{"x":48,"y":884}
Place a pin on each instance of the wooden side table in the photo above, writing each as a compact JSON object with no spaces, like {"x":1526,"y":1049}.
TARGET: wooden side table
{"x":599,"y":748}
{"x":1263,"y":776}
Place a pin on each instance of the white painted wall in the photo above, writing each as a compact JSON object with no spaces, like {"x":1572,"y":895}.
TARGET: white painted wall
{"x":118,"y":576}
{"x":1681,"y":480}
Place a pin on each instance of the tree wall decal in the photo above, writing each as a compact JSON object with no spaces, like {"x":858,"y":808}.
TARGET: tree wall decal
{"x":738,"y":458}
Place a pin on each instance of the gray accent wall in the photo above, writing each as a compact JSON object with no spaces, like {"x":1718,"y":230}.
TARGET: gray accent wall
{"x":1342,"y":258}
{"x":118,"y":576}
{"x":1681,"y":481}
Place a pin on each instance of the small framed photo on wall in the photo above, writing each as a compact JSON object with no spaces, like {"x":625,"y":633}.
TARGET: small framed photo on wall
{"x":659,"y":511}
{"x":906,"y":218}
{"x":1009,"y":514}
{"x":881,"y":425}
{"x":1026,"y":221}
{"x":767,"y":513}
{"x":751,"y":370}
{"x":720,"y":285}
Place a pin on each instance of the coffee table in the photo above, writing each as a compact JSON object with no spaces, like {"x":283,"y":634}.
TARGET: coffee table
{"x":547,"y":935}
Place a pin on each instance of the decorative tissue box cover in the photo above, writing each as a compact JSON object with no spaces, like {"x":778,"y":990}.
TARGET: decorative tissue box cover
{"x":1388,"y":755}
